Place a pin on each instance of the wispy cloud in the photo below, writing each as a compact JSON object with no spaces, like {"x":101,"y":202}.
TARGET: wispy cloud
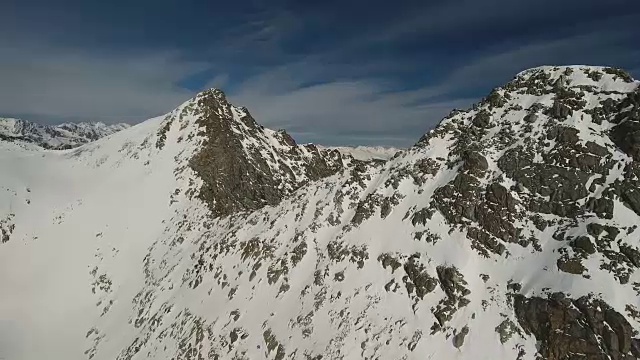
{"x":459,"y":17}
{"x":220,"y":81}
{"x":364,"y":110}
{"x":339,"y":112}
{"x":57,"y":83}
{"x":499,"y":65}
{"x":368,"y":74}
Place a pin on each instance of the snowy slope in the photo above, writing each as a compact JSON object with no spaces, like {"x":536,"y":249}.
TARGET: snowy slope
{"x":202,"y":235}
{"x":62,"y":136}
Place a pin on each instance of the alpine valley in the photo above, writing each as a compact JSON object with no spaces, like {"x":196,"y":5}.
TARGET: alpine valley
{"x":510,"y":231}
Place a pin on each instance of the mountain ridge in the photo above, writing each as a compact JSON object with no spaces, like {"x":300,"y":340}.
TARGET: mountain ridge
{"x":510,"y":231}
{"x":61,"y":136}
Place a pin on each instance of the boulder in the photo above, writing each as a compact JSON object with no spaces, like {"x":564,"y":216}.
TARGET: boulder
{"x":475,"y":163}
{"x":584,"y":243}
{"x":482,"y":119}
{"x":559,"y":111}
{"x":458,"y":339}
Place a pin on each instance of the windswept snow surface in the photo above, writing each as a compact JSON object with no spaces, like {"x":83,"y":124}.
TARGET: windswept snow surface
{"x":95,"y":207}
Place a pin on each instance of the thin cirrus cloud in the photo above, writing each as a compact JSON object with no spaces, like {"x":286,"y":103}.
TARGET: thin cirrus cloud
{"x":326,"y":77}
{"x":342,"y":112}
{"x":56,"y":84}
{"x":366,"y":112}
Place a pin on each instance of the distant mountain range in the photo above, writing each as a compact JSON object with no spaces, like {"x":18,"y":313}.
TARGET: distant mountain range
{"x":62,"y":136}
{"x":365,"y":152}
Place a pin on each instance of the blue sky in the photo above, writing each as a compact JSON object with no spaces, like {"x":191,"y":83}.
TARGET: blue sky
{"x":345,"y":72}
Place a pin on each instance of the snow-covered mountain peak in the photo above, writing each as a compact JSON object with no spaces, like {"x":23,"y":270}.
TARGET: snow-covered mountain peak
{"x":244,"y":166}
{"x":510,"y":231}
{"x":8,"y":124}
{"x":92,"y":130}
{"x":547,"y":96}
{"x":577,"y":74}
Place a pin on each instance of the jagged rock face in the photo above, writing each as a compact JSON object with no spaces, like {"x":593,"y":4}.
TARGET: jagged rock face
{"x":244,"y":166}
{"x":563,"y":159}
{"x":510,"y":231}
{"x":576,"y":329}
{"x":555,"y":154}
{"x":63,"y":136}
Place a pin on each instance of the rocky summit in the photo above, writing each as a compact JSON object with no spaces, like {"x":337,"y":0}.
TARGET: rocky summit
{"x":510,"y":231}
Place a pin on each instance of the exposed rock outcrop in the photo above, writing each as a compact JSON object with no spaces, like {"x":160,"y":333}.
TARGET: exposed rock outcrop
{"x":240,"y":169}
{"x":583,"y":328}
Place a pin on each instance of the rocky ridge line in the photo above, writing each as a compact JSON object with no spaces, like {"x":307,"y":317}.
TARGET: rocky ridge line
{"x":540,"y":166}
{"x":55,"y":137}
